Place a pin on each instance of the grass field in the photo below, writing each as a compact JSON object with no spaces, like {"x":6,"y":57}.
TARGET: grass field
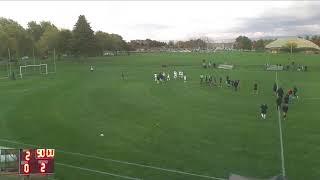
{"x":159,"y":131}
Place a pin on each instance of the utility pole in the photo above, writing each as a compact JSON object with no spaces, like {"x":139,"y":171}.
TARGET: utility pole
{"x":34,"y":59}
{"x":9,"y":62}
{"x":54,"y":60}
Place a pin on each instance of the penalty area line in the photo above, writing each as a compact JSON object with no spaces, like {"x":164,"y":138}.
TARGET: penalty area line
{"x":121,"y":162}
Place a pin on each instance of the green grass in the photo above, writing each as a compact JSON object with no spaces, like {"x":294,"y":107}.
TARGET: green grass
{"x":202,"y":130}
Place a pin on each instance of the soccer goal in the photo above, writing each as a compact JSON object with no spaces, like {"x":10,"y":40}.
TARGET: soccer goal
{"x":28,"y":69}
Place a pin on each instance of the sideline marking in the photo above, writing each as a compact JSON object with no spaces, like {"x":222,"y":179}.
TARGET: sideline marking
{"x":122,"y":162}
{"x":280,"y":131}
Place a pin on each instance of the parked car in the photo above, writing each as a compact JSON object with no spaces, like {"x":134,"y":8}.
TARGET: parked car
{"x":25,"y":58}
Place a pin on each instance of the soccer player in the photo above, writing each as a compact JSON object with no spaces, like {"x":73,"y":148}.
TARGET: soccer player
{"x":163,"y":77}
{"x":204,"y":63}
{"x":286,"y":99}
{"x":264,"y":109}
{"x":295,"y":90}
{"x":220,"y":81}
{"x":275,"y":87}
{"x":155,"y":77}
{"x":280,"y":92}
{"x":227,"y":80}
{"x":210,"y":80}
{"x":168,"y":77}
{"x":230,"y":83}
{"x":185,"y":78}
{"x":287,"y":67}
{"x":175,"y":74}
{"x":91,"y":68}
{"x":122,"y":74}
{"x":214,"y":81}
{"x":158,"y":78}
{"x":285,"y":110}
{"x":180,"y":74}
{"x":279,"y":101}
{"x":255,"y":88}
{"x":236,"y":84}
{"x":201,"y":79}
{"x":290,"y":92}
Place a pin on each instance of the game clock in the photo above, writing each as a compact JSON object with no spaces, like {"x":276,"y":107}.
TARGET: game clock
{"x":36,"y":161}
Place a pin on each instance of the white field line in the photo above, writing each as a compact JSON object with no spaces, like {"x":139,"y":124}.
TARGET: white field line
{"x":96,"y":171}
{"x":122,"y":162}
{"x":281,"y":139}
{"x":4,"y":77}
{"x":28,"y":89}
{"x":86,"y":169}
{"x":311,"y":99}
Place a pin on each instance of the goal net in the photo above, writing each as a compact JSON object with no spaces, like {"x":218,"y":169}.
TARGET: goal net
{"x":33,"y":69}
{"x":8,"y":160}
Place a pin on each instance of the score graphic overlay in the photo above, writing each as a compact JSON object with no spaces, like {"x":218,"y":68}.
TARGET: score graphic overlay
{"x":36,"y":161}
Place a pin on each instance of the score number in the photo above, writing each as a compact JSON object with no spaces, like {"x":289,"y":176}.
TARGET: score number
{"x":33,"y":161}
{"x":44,"y":153}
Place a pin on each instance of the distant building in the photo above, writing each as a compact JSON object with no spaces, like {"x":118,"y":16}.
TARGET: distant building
{"x":222,"y":45}
{"x":283,"y":43}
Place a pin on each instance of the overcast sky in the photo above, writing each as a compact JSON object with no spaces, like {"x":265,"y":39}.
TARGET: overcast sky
{"x":179,"y":20}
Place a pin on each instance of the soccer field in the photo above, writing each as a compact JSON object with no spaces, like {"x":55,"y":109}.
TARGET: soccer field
{"x":167,"y":131}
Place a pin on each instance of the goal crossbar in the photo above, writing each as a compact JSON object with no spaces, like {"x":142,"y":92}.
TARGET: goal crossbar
{"x":35,"y":65}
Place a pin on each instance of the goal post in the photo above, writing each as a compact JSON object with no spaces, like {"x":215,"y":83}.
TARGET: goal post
{"x":4,"y":70}
{"x":43,"y":69}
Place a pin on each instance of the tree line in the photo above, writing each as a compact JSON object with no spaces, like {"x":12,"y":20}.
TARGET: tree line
{"x":40,"y":39}
{"x":153,"y":44}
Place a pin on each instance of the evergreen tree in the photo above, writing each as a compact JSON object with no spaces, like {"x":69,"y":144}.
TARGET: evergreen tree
{"x":83,"y":42}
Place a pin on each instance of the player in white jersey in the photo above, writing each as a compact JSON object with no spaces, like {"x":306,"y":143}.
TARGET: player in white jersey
{"x":91,"y":68}
{"x":168,"y":77}
{"x":185,"y":78}
{"x":180,"y":74}
{"x":155,"y":77}
{"x":175,"y":74}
